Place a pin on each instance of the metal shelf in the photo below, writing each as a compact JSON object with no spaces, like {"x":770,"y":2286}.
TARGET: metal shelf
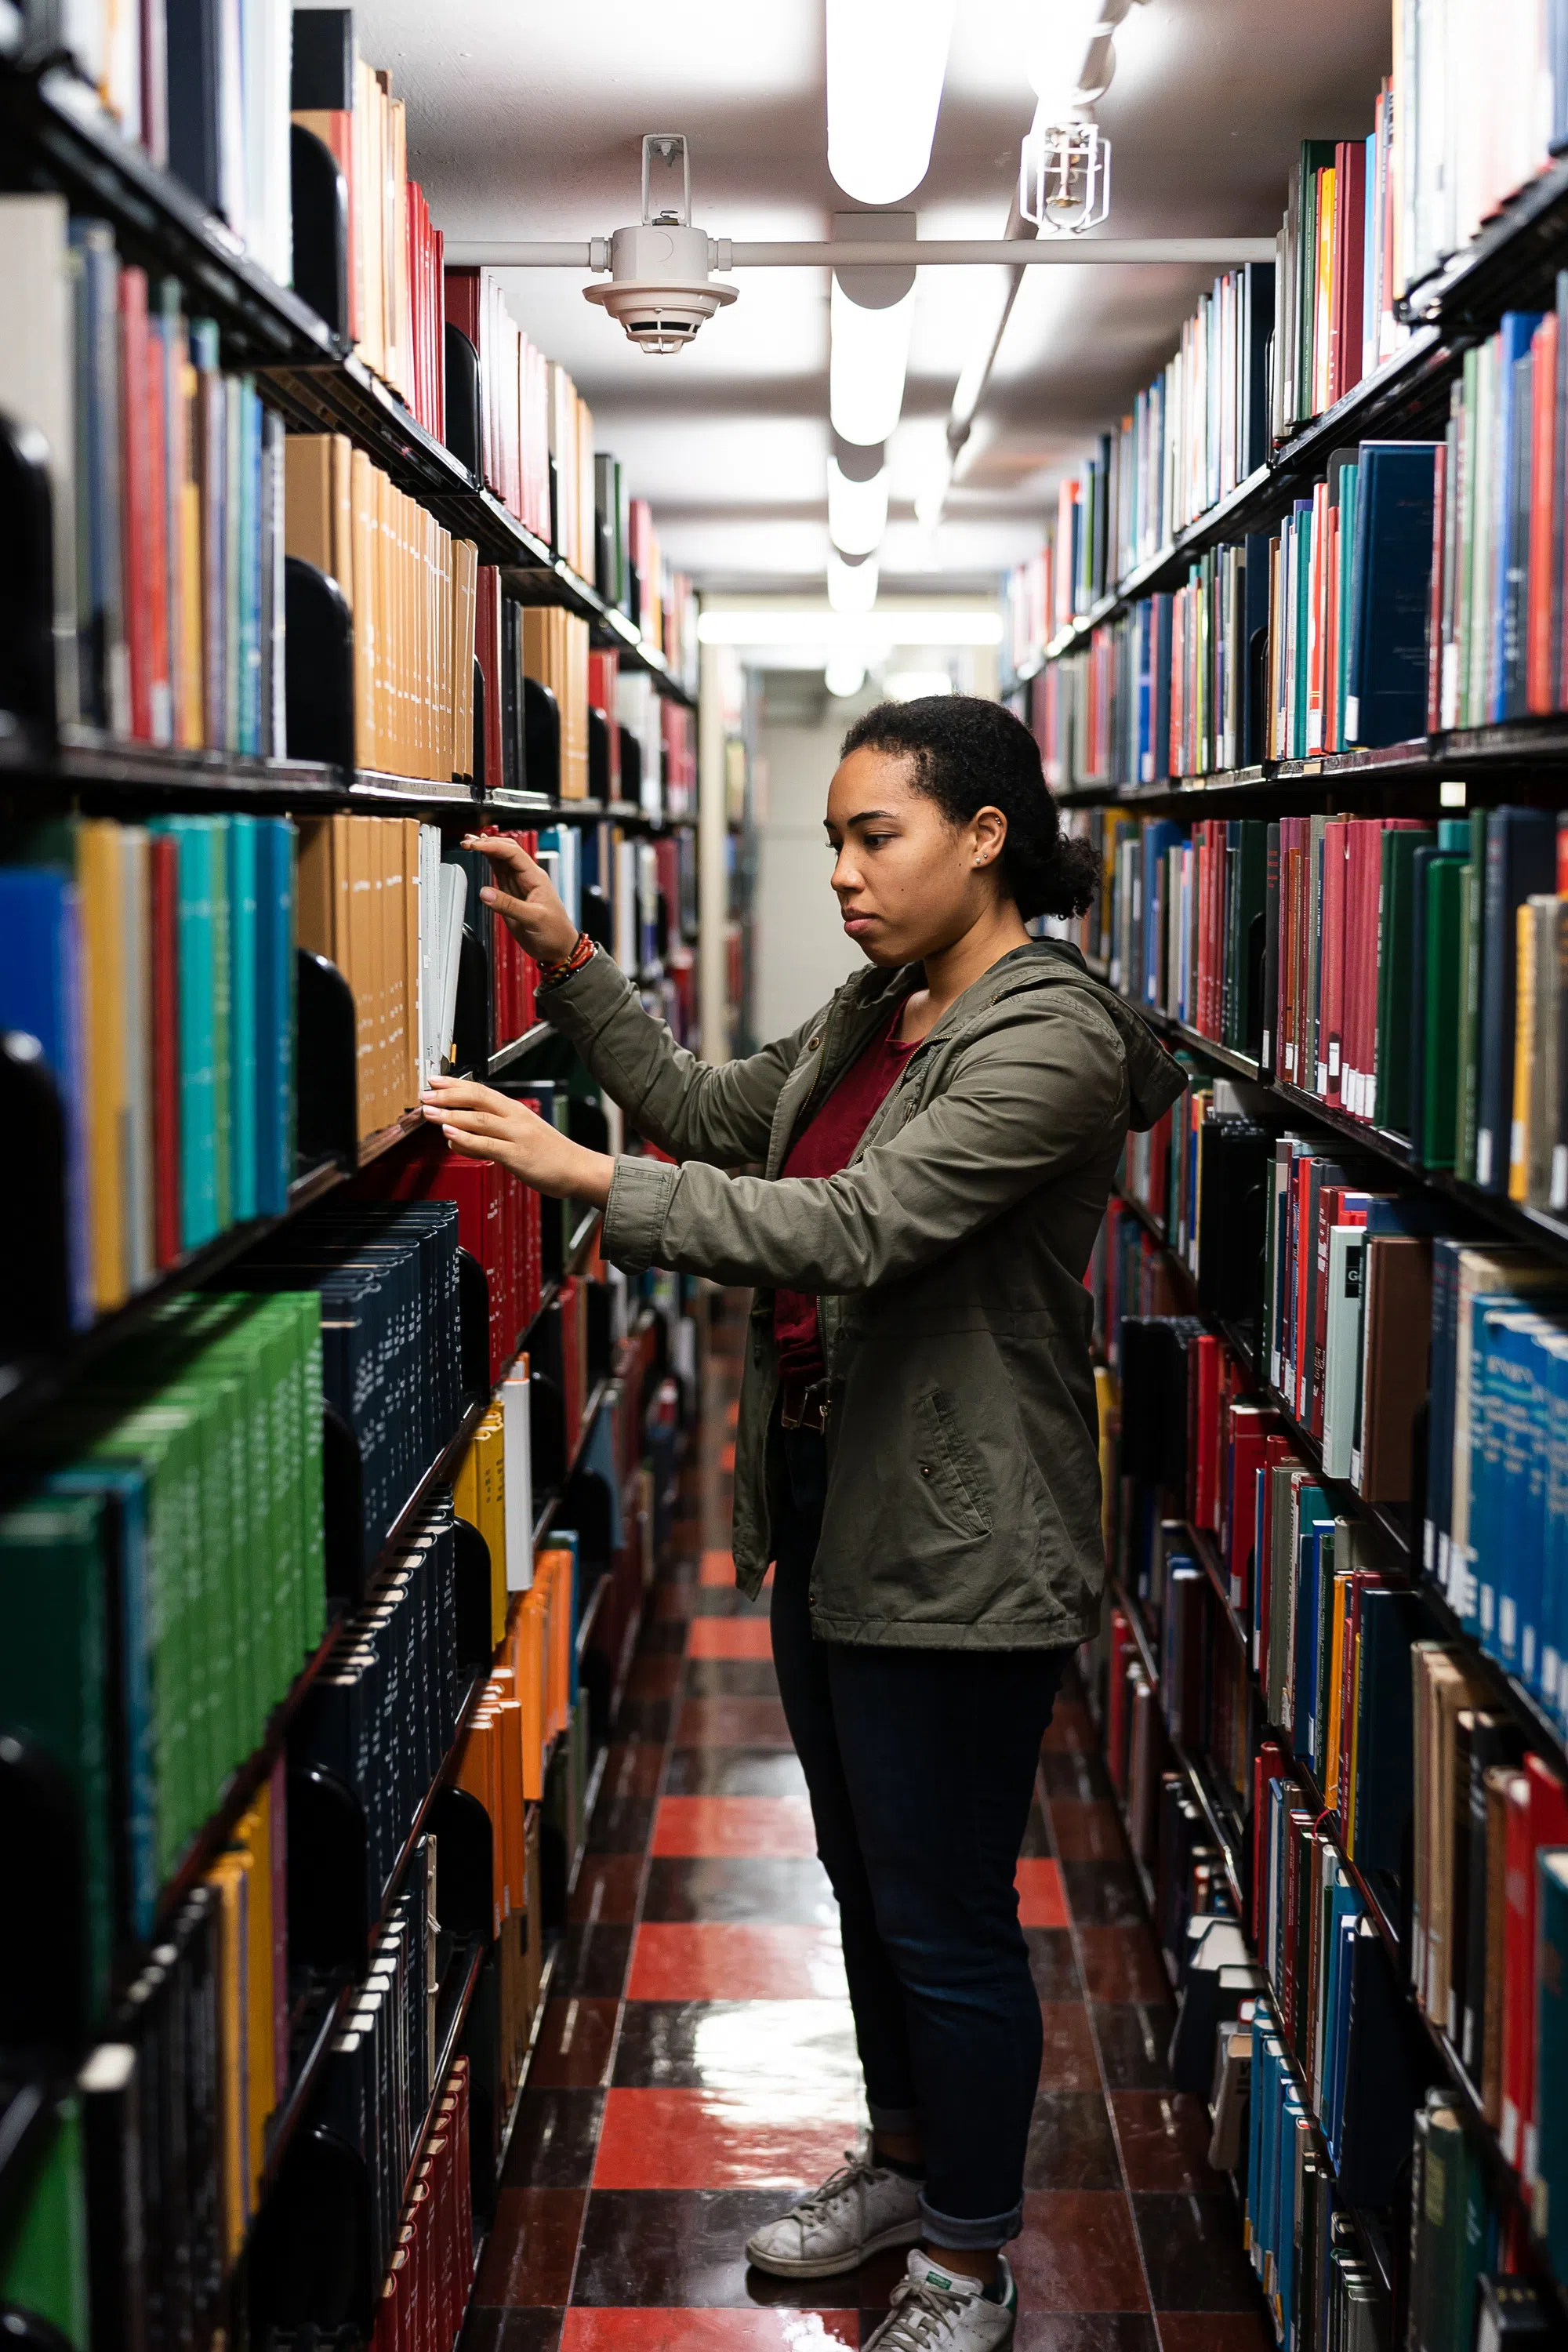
{"x":1393,"y":778}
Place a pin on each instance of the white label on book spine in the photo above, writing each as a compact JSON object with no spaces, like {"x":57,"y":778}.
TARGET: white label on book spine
{"x":1483,"y":1155}
{"x":1559,"y":1195}
{"x":1516,"y":1144}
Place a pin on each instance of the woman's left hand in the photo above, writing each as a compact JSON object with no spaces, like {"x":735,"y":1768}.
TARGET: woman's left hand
{"x":486,"y":1124}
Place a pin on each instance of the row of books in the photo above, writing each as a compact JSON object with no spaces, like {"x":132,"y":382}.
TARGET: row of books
{"x":411,"y":589}
{"x":165,"y":1582}
{"x":202,"y":86}
{"x":394,"y":254}
{"x":153,"y":966}
{"x":387,"y":1282}
{"x":425,"y":2295}
{"x":1403,"y":973}
{"x":379,"y":1722}
{"x":525,"y":1706}
{"x":165,"y":477}
{"x":379,"y":902}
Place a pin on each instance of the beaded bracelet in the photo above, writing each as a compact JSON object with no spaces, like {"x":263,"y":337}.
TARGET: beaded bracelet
{"x":551,"y":973}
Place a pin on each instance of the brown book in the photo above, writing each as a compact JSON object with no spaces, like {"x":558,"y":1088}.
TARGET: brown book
{"x":362,"y":520}
{"x":358,"y":846}
{"x":1398,"y":1279}
{"x":411,"y":911}
{"x":465,"y":589}
{"x":308,"y":512}
{"x":314,"y":904}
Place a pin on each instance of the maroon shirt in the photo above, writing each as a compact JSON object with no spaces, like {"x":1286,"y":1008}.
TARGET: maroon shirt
{"x":822,"y":1147}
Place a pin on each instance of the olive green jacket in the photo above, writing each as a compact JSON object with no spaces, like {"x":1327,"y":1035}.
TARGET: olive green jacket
{"x":964,"y":1505}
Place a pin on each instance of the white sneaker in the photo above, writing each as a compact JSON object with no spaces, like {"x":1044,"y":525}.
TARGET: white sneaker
{"x":857,"y":2211}
{"x":940,"y":2310}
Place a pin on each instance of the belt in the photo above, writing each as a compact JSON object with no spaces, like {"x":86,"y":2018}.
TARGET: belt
{"x":803,"y":1404}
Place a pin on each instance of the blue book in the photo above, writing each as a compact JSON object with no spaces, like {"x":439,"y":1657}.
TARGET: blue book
{"x":1385,"y":701}
{"x":40,"y":997}
{"x":274,"y":1015}
{"x":1551,"y":1596}
{"x":1552,"y":2051}
{"x":121,"y":1486}
{"x":1304,"y":1679}
{"x":243,"y":1013}
{"x":1254,"y":2134}
{"x":1522,"y":861}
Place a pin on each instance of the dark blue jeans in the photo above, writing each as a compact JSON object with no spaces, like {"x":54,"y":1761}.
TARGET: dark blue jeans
{"x":920,"y":1766}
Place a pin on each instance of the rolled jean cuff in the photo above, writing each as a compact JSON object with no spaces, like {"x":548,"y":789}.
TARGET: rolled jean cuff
{"x":944,"y":2229}
{"x":893,"y":2119}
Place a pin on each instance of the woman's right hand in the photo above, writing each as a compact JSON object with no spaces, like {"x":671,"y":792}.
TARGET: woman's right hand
{"x":525,"y":896}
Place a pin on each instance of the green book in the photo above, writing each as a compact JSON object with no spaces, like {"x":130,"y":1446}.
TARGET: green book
{"x":1396,"y":960}
{"x":43,"y":2234}
{"x":1472,"y":891}
{"x":1442,"y":981}
{"x":54,"y":1677}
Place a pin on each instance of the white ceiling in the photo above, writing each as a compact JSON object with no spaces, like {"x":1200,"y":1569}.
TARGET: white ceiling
{"x":525,"y":119}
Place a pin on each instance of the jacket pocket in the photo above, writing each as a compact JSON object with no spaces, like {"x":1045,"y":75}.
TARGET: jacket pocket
{"x":946,"y":1466}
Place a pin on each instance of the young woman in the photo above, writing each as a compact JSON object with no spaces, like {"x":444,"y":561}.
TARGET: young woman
{"x":918,"y":1445}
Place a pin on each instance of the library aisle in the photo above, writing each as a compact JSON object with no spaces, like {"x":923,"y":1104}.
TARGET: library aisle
{"x":696,"y":2067}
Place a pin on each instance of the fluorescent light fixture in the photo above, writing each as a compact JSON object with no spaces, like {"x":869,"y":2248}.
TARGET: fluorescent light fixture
{"x":856,"y":512}
{"x":800,"y":625}
{"x":869,"y":352}
{"x":931,"y":496}
{"x":844,"y":673}
{"x":1055,"y":46}
{"x":910,"y":684}
{"x":886,"y":59}
{"x":851,"y":587}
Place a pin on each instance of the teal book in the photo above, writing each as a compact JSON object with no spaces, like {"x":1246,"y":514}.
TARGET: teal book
{"x":274,"y":1015}
{"x":1396,"y":958}
{"x":223,"y":1019}
{"x":1551,"y":2053}
{"x":198,"y":986}
{"x":1435,"y":1007}
{"x":53,"y":1668}
{"x":244,"y":935}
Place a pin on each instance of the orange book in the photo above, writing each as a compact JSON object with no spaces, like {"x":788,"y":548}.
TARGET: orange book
{"x":527,"y":1651}
{"x":477,"y":1775}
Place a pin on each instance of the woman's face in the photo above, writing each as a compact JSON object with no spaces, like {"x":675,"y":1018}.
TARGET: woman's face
{"x":909,"y":882}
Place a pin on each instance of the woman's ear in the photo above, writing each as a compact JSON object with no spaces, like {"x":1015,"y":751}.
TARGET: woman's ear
{"x":989,"y":831}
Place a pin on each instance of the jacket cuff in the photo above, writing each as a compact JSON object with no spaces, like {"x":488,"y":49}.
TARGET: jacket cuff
{"x":640,"y":1191}
{"x":580,"y":1004}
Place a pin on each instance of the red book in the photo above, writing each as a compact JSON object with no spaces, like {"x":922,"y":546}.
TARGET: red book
{"x":136,"y":498}
{"x":1538,"y":696}
{"x":1203,"y":1367}
{"x":164,"y":918}
{"x":1350,"y":259}
{"x":1537,"y":1816}
{"x":387,"y":2336}
{"x":1251,"y":1427}
{"x":1332,"y":962}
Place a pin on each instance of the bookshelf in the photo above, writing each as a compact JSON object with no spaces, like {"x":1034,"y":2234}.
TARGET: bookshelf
{"x":54,"y":138}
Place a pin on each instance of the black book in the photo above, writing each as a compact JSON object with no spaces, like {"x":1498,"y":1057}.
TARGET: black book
{"x":321,"y":79}
{"x":195,"y":129}
{"x":1521,"y":860}
{"x":1154,"y":1357}
{"x":117,"y":2277}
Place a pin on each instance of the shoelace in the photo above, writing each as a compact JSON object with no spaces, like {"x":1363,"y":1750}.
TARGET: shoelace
{"x":852,"y":2174}
{"x":920,"y":2309}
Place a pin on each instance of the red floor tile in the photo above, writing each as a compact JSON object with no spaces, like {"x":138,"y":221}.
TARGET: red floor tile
{"x":1215,"y":2331}
{"x":606,"y":1891}
{"x":1070,"y":1730}
{"x":718,"y":1567}
{"x":729,"y":1637}
{"x":1086,"y":1829}
{"x":1164,"y":2140}
{"x":1078,"y":2253}
{"x":1070,"y":2062}
{"x":529,"y":2254}
{"x":707,"y":2331}
{"x":722,"y":1960}
{"x":749,"y":1828}
{"x":727,"y":1455}
{"x":1121,"y":1964}
{"x":700,"y":2140}
{"x":1041,"y":1902}
{"x":732,"y":1723}
{"x":576,"y":2041}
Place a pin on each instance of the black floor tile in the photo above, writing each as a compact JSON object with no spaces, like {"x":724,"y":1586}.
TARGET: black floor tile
{"x":643,"y":1718}
{"x":1071,"y":1775}
{"x":735,"y":1772}
{"x":1191,"y":2252}
{"x":1104,"y":1895}
{"x":686,"y":2248}
{"x":732,"y":2048}
{"x":1051,"y":1963}
{"x":621,"y":1825}
{"x":512,"y":2331}
{"x":1071,"y":2144}
{"x":1133,"y":2036}
{"x":731,"y":1678}
{"x":779,"y":1893}
{"x":592,"y":1959}
{"x":554,"y":2140}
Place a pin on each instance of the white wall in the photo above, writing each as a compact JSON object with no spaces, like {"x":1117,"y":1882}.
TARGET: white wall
{"x":802,"y":953}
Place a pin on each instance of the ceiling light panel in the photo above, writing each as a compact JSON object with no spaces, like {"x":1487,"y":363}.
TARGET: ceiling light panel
{"x":856,"y":512}
{"x":868,"y":354}
{"x":886,"y":60}
{"x":851,"y":587}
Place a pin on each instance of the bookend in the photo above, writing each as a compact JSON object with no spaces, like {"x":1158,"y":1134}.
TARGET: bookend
{"x":464,"y":1849}
{"x":326,"y":1062}
{"x":486,"y":2105}
{"x":329,"y":1903}
{"x":309,"y":2256}
{"x":319,"y":645}
{"x":35,"y":1301}
{"x":471,"y":1021}
{"x":464,"y":407}
{"x":599,"y":755}
{"x":480,"y":782}
{"x":320,"y":198}
{"x":471,"y":1569}
{"x":42,"y":1992}
{"x":541,"y":736}
{"x":474,"y":1328}
{"x":26,"y":582}
{"x":631,"y":768}
{"x":599,"y":917}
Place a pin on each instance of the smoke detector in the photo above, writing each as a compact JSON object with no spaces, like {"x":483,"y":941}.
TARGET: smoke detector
{"x":658,"y":286}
